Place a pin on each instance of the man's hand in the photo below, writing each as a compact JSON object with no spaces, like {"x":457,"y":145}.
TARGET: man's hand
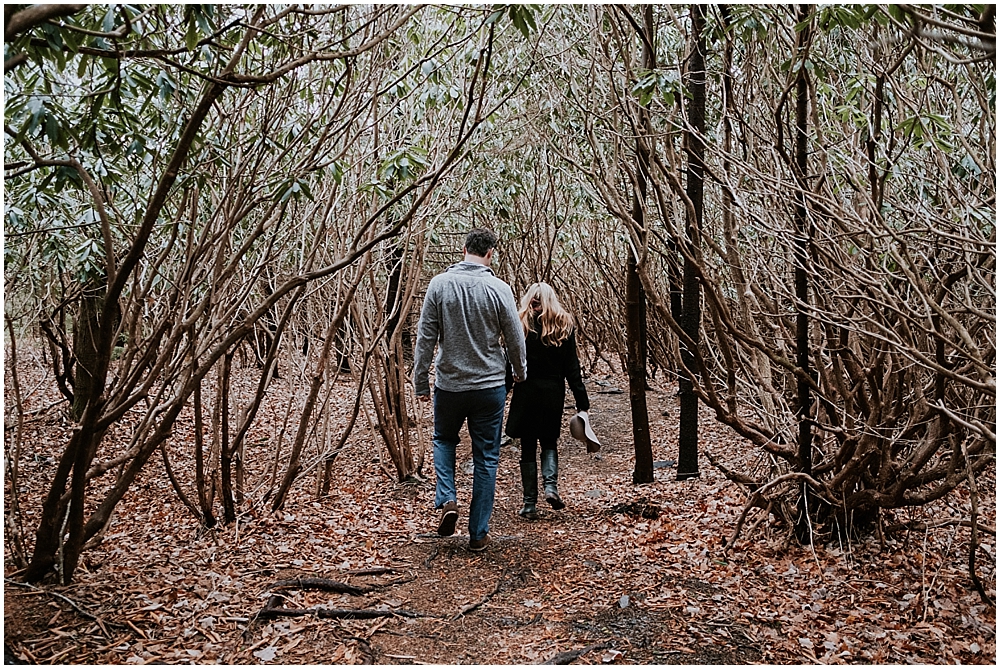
{"x":517,"y":379}
{"x":424,"y":398}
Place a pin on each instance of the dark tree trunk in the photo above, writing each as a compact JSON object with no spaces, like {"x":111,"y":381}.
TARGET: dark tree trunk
{"x":342,"y":341}
{"x":635,"y":297}
{"x":637,"y":375}
{"x":392,"y":296}
{"x":204,"y":502}
{"x":226,"y":450}
{"x":73,"y":546}
{"x":676,"y":282}
{"x":85,"y":329}
{"x":803,"y":241}
{"x":687,"y":448}
{"x":48,"y":536}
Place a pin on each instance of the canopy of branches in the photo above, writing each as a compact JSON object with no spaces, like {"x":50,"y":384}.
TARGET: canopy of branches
{"x":185,"y":182}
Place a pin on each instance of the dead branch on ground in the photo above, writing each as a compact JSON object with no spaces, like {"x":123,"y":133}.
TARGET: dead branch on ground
{"x":567,"y":657}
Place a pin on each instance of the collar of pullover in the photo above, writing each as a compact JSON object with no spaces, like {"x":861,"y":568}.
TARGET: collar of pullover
{"x":467,"y":267}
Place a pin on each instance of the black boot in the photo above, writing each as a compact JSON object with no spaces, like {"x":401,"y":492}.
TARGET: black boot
{"x":550,"y":476}
{"x":529,"y":485}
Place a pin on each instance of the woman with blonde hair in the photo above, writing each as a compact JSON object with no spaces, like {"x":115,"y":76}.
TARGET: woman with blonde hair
{"x":536,"y":407}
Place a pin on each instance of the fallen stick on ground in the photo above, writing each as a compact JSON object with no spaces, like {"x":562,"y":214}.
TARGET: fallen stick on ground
{"x":566,"y":657}
{"x":373,"y":571}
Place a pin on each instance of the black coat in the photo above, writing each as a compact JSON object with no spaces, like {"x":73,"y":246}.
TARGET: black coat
{"x":536,"y":407}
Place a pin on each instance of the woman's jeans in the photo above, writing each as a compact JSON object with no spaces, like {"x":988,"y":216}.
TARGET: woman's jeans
{"x":484,"y":411}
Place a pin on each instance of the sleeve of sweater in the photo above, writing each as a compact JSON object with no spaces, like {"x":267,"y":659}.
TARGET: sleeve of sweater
{"x":513,"y":336}
{"x":427,"y":337}
{"x":571,"y":368}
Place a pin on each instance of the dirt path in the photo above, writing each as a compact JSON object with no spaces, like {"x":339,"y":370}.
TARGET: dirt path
{"x":559,"y":584}
{"x":629,"y":574}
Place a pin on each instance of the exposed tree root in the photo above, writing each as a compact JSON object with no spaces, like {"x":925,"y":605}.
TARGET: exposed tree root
{"x":325,"y":584}
{"x":275,"y":609}
{"x":76,"y":607}
{"x":472,"y":607}
{"x":759,"y":500}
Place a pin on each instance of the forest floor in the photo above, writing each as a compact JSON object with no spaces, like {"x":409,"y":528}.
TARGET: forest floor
{"x":625,"y":574}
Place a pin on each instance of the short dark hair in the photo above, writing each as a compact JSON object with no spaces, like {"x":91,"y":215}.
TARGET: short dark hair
{"x":479,"y":241}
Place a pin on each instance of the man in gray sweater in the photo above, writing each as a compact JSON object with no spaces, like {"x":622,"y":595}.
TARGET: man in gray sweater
{"x":466,"y":311}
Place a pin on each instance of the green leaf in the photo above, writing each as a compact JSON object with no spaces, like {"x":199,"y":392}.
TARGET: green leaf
{"x":305,"y":190}
{"x":38,"y":112}
{"x":64,"y":174}
{"x":53,"y":36}
{"x":165,"y":85}
{"x":295,"y":190}
{"x":529,"y":16}
{"x":849,"y":18}
{"x":201,"y":17}
{"x":522,"y":18}
{"x":191,"y":37}
{"x":73,"y":40}
{"x":108,"y":23}
{"x":52,"y":128}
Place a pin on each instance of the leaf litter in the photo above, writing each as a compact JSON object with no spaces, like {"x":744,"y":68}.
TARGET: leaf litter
{"x":626,"y":574}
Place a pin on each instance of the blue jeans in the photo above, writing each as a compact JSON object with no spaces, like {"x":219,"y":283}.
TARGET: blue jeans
{"x":484,"y":411}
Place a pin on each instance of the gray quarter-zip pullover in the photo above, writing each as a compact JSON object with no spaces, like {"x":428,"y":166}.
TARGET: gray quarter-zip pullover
{"x":466,"y":310}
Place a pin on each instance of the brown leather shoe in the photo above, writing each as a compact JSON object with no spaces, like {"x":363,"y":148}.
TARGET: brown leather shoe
{"x":449,"y":516}
{"x":476,"y":545}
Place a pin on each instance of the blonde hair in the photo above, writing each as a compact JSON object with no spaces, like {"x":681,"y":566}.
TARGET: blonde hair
{"x":556,"y":323}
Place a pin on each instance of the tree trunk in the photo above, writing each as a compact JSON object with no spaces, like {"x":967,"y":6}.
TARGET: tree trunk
{"x":637,"y":375}
{"x":13,"y":521}
{"x":85,"y":329}
{"x":204,"y":501}
{"x":396,"y":405}
{"x":687,"y":447}
{"x":48,"y":536}
{"x":803,"y":241}
{"x":635,"y":297}
{"x":226,"y":457}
